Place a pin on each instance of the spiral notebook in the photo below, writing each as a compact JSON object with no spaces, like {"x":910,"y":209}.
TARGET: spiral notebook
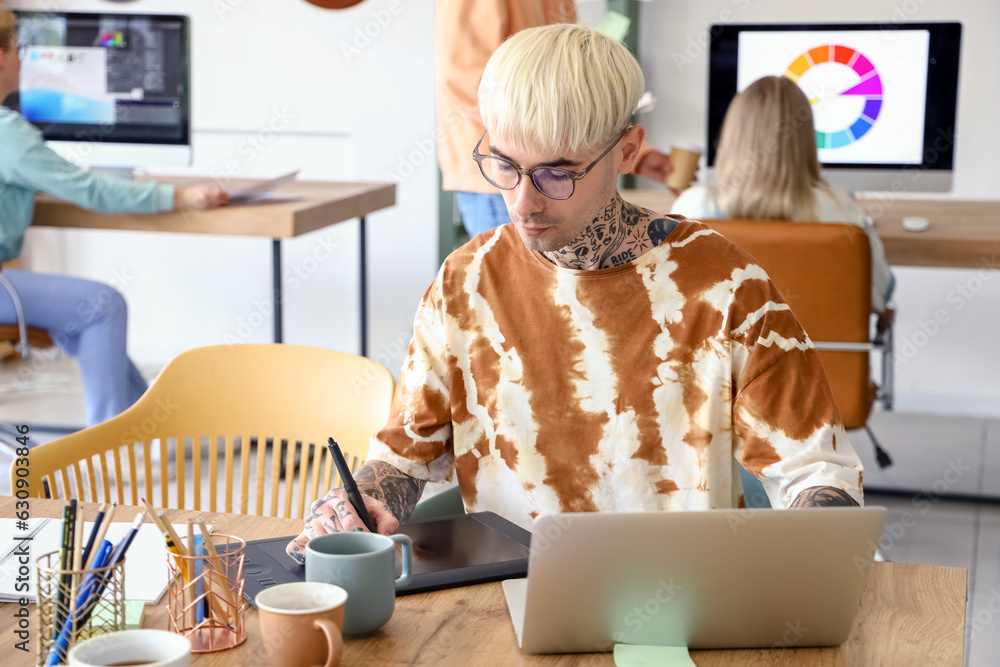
{"x":145,"y":562}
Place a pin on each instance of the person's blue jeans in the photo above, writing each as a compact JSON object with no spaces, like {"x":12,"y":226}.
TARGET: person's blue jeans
{"x":482,"y":212}
{"x":88,"y":320}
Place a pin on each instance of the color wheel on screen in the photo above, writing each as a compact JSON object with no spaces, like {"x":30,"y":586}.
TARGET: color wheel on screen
{"x":849,"y":92}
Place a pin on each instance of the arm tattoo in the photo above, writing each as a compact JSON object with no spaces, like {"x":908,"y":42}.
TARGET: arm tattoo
{"x":385,"y":483}
{"x":824,"y":496}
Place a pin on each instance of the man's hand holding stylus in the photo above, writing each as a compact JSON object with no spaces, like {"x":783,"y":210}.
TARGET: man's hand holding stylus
{"x":333,"y":514}
{"x":390,"y":496}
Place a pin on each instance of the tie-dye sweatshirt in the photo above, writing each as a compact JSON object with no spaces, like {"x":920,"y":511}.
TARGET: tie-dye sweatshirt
{"x":633,"y":388}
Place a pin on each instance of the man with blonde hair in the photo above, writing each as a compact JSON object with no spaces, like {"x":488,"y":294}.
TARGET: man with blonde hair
{"x":593,"y":355}
{"x":467,"y":32}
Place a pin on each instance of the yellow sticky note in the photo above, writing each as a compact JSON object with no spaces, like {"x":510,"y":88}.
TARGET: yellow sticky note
{"x":615,"y":25}
{"x":629,"y":655}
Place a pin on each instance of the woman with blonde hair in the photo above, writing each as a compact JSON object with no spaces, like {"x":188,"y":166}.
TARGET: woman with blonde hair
{"x":86,"y":319}
{"x":767,"y":169}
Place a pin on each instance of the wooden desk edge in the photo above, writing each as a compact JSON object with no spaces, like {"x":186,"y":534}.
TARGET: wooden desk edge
{"x":950,"y":582}
{"x":277,"y":220}
{"x":972,"y":243}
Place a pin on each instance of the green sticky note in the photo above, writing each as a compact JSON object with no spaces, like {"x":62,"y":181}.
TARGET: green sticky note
{"x":134,"y":611}
{"x":615,"y":25}
{"x":629,"y":655}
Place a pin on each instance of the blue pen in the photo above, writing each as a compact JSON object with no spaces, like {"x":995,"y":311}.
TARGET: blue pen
{"x":199,"y":586}
{"x":92,"y":588}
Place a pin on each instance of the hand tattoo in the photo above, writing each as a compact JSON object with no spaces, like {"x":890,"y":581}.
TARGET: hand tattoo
{"x":385,"y":483}
{"x":824,"y":496}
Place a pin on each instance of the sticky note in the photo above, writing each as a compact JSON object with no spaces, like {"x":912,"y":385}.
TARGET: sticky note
{"x":134,"y":610}
{"x":615,"y":25}
{"x":629,"y":655}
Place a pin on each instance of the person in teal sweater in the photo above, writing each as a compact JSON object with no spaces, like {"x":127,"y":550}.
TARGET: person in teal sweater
{"x":87,"y":319}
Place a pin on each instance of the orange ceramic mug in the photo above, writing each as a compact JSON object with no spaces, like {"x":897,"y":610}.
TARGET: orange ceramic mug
{"x":301,"y":623}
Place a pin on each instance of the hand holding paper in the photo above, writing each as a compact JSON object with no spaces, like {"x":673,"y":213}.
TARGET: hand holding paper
{"x":260,"y":189}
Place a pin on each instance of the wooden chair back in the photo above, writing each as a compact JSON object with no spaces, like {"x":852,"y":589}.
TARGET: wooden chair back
{"x":232,"y":428}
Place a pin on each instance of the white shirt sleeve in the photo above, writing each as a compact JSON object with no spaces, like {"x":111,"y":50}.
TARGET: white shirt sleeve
{"x":697,"y":203}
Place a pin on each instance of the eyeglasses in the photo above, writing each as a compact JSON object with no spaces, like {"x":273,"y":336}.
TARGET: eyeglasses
{"x":553,"y":182}
{"x":22,"y":52}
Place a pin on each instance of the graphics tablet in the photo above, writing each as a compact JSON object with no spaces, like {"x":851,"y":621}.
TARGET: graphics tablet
{"x":457,"y":551}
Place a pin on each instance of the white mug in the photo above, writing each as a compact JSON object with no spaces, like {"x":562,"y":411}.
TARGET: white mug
{"x":150,"y":648}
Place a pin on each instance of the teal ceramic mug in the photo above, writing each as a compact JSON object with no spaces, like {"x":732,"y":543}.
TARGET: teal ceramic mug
{"x":364,"y":565}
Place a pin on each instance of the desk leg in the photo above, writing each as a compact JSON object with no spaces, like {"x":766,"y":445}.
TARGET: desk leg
{"x":279,"y":303}
{"x":363,"y":263}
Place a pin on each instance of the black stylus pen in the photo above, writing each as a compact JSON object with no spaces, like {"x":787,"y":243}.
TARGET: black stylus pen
{"x":350,"y":486}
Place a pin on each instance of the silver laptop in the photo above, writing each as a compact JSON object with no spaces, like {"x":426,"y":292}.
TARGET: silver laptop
{"x":710,"y":579}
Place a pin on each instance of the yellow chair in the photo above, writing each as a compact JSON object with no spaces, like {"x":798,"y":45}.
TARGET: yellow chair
{"x":269,"y":408}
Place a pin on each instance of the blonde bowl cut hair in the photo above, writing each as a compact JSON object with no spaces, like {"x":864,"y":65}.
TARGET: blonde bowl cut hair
{"x":8,"y":27}
{"x":559,"y":88}
{"x":766,"y":165}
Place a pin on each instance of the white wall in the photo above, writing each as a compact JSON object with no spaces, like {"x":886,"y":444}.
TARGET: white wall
{"x":353,"y":106}
{"x":952,"y":367}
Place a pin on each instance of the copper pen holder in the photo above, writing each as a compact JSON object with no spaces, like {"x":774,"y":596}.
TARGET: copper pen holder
{"x":58,"y":592}
{"x":205,"y":595}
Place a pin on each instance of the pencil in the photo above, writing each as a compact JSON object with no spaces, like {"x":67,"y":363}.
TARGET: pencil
{"x":189,"y":615}
{"x":173,"y":545}
{"x":218,"y":568}
{"x":169,"y":527}
{"x":75,"y":578}
{"x":101,"y":532}
{"x":93,"y":535}
{"x":126,"y":542}
{"x":62,"y":588}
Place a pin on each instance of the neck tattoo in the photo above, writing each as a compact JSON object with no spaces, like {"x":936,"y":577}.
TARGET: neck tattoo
{"x":616,"y":237}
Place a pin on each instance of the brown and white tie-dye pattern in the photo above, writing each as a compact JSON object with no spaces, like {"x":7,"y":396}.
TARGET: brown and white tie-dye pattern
{"x":626,"y":389}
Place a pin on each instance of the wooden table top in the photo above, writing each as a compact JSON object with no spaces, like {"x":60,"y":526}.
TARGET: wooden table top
{"x":318,"y":204}
{"x":910,"y":615}
{"x":962,"y":233}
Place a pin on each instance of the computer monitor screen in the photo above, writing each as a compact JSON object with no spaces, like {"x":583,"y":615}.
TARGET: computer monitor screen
{"x":884,"y":97}
{"x":113,"y":88}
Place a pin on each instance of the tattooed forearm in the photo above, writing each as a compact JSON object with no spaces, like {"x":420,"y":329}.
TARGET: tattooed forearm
{"x":396,"y":489}
{"x":824,"y":496}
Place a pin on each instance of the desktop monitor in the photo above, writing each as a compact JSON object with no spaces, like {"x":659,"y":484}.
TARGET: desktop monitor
{"x":884,"y":96}
{"x":108,"y":90}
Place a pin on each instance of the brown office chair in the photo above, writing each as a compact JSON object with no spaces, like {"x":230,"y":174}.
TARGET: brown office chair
{"x":823,"y":271}
{"x":37,"y":338}
{"x":18,"y":335}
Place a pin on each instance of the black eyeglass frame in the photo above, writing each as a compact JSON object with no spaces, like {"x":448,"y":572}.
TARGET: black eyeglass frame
{"x":574,"y":175}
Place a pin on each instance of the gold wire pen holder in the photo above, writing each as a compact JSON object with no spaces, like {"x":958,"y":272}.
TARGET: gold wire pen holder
{"x":205,"y":595}
{"x":59,"y":591}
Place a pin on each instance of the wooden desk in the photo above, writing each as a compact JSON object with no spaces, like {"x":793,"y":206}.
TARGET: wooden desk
{"x":910,"y":615}
{"x":319,"y":205}
{"x":962,"y":233}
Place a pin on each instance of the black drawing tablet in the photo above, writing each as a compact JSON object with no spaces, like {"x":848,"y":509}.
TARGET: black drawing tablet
{"x":456,"y":551}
